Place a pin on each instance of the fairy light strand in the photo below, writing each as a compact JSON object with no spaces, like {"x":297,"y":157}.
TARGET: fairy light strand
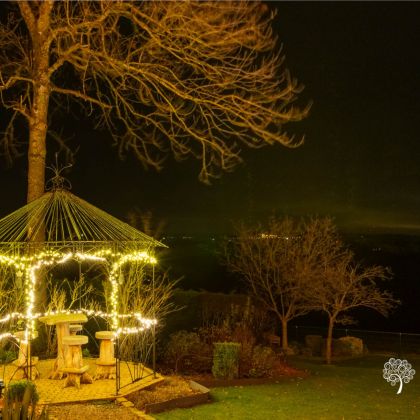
{"x":27,"y":266}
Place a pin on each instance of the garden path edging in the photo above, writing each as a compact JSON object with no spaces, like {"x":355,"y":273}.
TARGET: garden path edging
{"x":181,"y":402}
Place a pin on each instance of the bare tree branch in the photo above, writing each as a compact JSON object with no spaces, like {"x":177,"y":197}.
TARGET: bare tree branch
{"x":343,"y":285}
{"x":279,"y":262}
{"x":199,"y":79}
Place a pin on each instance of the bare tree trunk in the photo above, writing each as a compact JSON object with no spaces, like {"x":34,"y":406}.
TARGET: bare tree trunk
{"x":36,"y":172}
{"x":37,"y":144}
{"x":284,"y":339}
{"x":37,"y":141}
{"x":328,"y":352}
{"x":37,"y":19}
{"x":38,"y":26}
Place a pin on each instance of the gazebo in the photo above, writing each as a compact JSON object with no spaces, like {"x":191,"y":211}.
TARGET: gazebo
{"x":58,"y":227}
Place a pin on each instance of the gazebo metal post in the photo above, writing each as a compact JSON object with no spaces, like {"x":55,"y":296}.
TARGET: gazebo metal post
{"x":28,"y":359}
{"x":154,"y":326}
{"x":117,"y":365}
{"x":70,"y":228}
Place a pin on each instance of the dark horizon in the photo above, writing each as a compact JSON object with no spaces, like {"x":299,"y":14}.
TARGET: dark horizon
{"x":359,"y":164}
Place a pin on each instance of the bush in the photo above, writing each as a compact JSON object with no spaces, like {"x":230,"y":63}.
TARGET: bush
{"x":350,"y":346}
{"x":314,"y":343}
{"x":6,"y":356}
{"x":20,"y":401}
{"x":226,"y":360}
{"x":16,"y":391}
{"x":198,"y":309}
{"x":244,"y":335}
{"x":263,"y":359}
{"x":86,"y":352}
{"x":214,"y":334}
{"x":181,"y":345}
{"x":345,"y":346}
{"x":295,"y":347}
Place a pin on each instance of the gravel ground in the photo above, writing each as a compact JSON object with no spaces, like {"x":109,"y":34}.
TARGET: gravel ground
{"x":104,"y":411}
{"x":172,"y":387}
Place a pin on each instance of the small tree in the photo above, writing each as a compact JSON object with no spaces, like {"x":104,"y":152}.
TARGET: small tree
{"x":345,"y":285}
{"x":280,"y":262}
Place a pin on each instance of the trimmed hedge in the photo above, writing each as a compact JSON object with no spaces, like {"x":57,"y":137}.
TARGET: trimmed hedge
{"x":226,"y":360}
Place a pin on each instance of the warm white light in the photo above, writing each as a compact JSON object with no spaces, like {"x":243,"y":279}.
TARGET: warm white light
{"x":27,"y":266}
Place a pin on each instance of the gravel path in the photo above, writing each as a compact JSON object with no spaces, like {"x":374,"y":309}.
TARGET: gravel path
{"x":105,"y":411}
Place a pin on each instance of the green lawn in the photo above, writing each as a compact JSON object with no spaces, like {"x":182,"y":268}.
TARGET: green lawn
{"x":347,"y":390}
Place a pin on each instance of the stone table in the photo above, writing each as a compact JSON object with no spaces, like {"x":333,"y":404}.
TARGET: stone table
{"x":62,"y":323}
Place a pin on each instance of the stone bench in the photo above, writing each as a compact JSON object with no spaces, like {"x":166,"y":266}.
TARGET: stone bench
{"x":73,"y":361}
{"x":75,"y":328}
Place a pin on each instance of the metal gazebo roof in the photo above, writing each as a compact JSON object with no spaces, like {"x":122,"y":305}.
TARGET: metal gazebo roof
{"x":64,"y":220}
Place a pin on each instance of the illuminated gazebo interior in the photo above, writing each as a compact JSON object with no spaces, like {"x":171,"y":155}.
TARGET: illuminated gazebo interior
{"x":58,"y":227}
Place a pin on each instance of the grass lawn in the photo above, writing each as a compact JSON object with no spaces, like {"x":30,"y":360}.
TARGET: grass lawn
{"x":351,"y":389}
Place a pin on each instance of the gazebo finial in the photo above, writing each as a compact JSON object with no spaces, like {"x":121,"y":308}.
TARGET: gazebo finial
{"x":58,"y":182}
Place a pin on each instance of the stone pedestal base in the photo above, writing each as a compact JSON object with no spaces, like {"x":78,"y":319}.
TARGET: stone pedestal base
{"x":106,"y":365}
{"x":75,"y":376}
{"x":73,"y":360}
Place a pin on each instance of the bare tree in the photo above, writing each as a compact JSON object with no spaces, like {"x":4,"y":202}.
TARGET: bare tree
{"x":193,"y":78}
{"x":12,"y":294}
{"x":280,"y":262}
{"x":140,"y":291}
{"x":144,"y":290}
{"x":346,"y":285}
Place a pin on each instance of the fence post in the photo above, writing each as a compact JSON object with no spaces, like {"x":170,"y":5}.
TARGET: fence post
{"x":400,"y":353}
{"x":154,"y":326}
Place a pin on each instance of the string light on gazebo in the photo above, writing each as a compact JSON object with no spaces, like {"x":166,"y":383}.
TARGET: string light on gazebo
{"x":60,"y":227}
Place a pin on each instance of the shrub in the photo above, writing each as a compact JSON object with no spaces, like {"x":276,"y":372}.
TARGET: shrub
{"x":345,"y":346}
{"x":85,"y":352}
{"x":226,"y":360}
{"x":314,"y":343}
{"x":214,"y":334}
{"x":198,"y":309}
{"x":241,"y":334}
{"x":244,"y":335}
{"x":181,"y":345}
{"x":20,"y":401}
{"x":6,"y":356}
{"x":350,"y":346}
{"x":263,"y":359}
{"x":295,"y":348}
{"x":16,"y":391}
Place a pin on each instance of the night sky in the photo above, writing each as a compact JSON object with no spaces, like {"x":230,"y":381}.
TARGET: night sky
{"x":360,"y":163}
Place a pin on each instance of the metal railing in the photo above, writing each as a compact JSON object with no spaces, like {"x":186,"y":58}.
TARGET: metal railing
{"x":135,"y":365}
{"x":399,"y":343}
